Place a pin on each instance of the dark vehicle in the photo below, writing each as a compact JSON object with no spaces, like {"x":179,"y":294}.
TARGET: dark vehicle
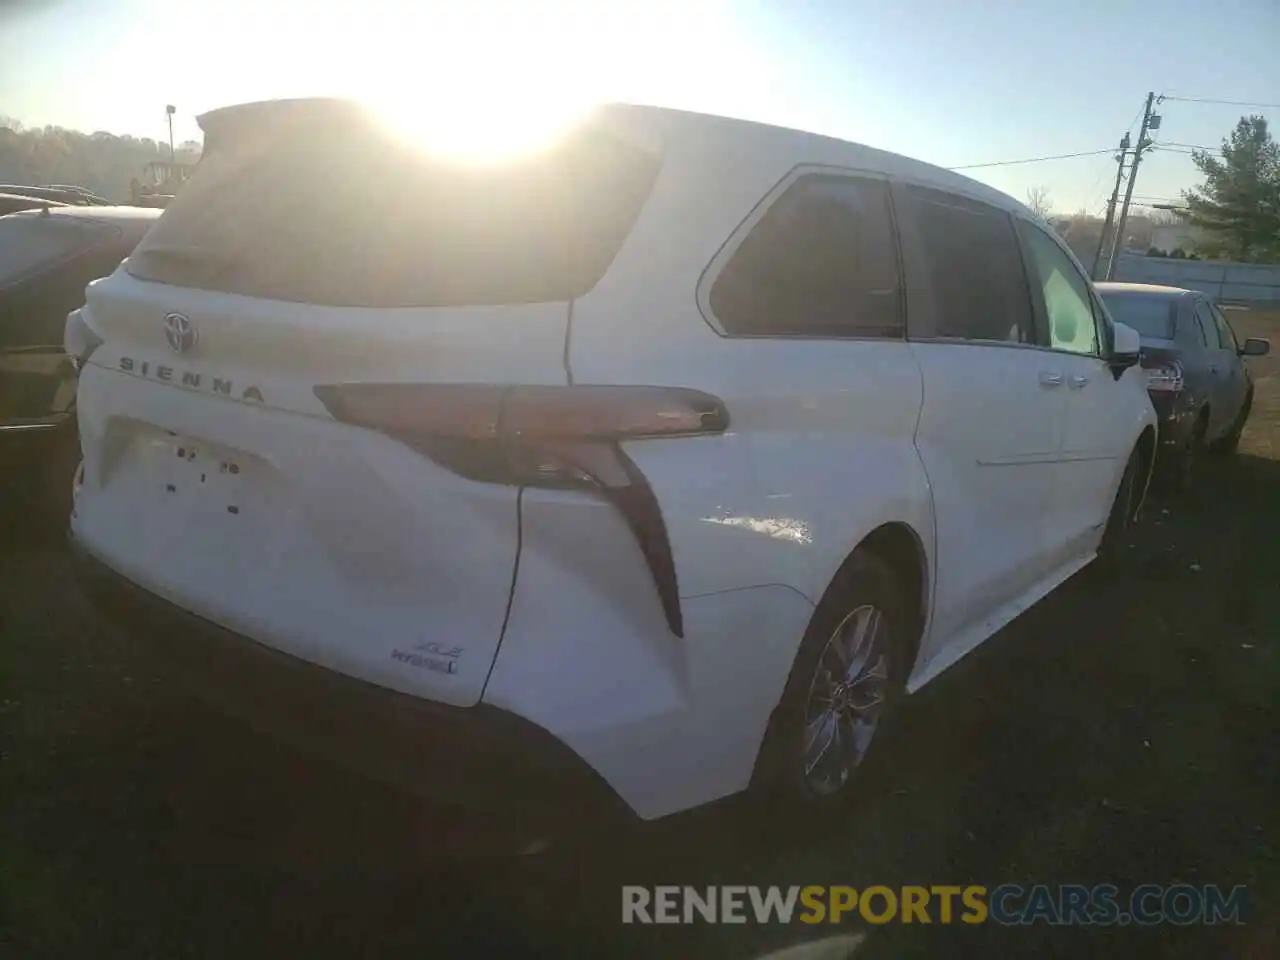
{"x":60,"y":193}
{"x":12,"y":203}
{"x":1199,"y":385}
{"x":47,"y":258}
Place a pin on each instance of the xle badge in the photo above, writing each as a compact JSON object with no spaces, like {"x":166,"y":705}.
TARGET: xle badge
{"x":430,"y":656}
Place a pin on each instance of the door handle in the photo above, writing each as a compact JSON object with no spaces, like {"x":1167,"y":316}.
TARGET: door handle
{"x":1050,"y":378}
{"x":1079,"y":382}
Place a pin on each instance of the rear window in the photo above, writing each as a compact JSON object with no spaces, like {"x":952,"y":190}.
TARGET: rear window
{"x":31,"y":243}
{"x":351,"y":217}
{"x":1152,"y":317}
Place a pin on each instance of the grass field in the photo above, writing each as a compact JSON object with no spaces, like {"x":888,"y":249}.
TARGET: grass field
{"x":1126,"y":730}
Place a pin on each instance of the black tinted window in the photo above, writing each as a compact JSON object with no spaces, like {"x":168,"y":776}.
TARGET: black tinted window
{"x":979,"y":286}
{"x":351,"y":217}
{"x":821,"y":262}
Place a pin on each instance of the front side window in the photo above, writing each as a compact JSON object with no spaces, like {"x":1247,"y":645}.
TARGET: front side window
{"x":821,"y":262}
{"x":1068,"y":305}
{"x":1226,"y":335}
{"x":1189,"y":331}
{"x":971,"y":255}
{"x":1106,"y":324}
{"x":1212,"y":336}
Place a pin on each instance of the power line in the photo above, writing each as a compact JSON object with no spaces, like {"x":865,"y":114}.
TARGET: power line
{"x":1060,"y":156}
{"x":1102,"y":172}
{"x":1129,"y":128}
{"x":1228,"y":103}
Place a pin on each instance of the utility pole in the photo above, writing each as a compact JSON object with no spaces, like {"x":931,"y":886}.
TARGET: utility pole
{"x":1149,"y":122}
{"x":1111,"y":206}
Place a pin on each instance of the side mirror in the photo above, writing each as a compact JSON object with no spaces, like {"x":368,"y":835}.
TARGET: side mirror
{"x":1126,"y":349}
{"x":1255,"y":347}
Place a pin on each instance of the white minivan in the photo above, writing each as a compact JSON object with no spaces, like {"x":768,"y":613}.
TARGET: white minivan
{"x":623,"y":475}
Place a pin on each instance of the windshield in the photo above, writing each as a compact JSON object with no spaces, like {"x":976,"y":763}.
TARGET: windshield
{"x":1152,"y":316}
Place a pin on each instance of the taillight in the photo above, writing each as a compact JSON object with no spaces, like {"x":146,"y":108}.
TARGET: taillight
{"x":1164,"y":376}
{"x":564,"y":437}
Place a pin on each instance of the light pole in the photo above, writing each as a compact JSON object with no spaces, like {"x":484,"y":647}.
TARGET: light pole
{"x":170,"y":109}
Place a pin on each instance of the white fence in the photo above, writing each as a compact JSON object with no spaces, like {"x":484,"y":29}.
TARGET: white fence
{"x":1220,"y":279}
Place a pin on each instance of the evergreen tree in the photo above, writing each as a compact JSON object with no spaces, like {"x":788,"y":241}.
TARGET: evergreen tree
{"x":1239,"y":202}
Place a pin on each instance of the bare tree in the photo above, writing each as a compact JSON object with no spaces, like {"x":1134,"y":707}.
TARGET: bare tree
{"x":1038,"y":201}
{"x":1164,"y":218}
{"x":101,"y":161}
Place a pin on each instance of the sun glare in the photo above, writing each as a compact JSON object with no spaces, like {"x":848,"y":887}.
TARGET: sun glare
{"x":498,"y":79}
{"x":481,"y":129}
{"x":475,"y":94}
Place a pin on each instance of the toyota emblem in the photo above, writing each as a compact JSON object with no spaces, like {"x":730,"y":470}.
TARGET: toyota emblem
{"x":179,"y":332}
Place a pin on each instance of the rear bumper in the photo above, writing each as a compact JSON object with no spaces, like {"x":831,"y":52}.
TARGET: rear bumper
{"x":490,"y":761}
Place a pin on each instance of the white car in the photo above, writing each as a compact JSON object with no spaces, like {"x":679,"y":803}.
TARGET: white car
{"x":643,"y":469}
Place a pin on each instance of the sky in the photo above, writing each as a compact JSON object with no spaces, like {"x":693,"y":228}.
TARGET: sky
{"x":945,"y":81}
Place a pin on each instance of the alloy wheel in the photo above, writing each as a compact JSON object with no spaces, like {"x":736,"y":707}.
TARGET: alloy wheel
{"x":846,"y":699}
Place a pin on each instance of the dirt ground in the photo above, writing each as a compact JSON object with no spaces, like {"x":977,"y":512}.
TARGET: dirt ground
{"x":1126,"y":730}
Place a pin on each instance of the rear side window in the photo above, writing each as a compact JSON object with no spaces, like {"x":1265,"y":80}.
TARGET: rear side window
{"x":975,"y":268}
{"x":821,"y":262}
{"x":351,"y":217}
{"x":30,"y":244}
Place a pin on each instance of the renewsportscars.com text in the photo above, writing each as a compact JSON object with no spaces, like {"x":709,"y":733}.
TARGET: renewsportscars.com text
{"x":1007,"y":904}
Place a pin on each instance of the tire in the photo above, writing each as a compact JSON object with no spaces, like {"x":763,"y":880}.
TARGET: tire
{"x":1179,"y":470}
{"x":54,"y":498}
{"x":837,"y":696}
{"x":1227,"y":445}
{"x":1124,"y":511}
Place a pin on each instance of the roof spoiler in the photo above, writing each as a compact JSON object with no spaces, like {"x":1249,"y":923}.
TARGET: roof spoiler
{"x":306,"y":115}
{"x":277,"y":117}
